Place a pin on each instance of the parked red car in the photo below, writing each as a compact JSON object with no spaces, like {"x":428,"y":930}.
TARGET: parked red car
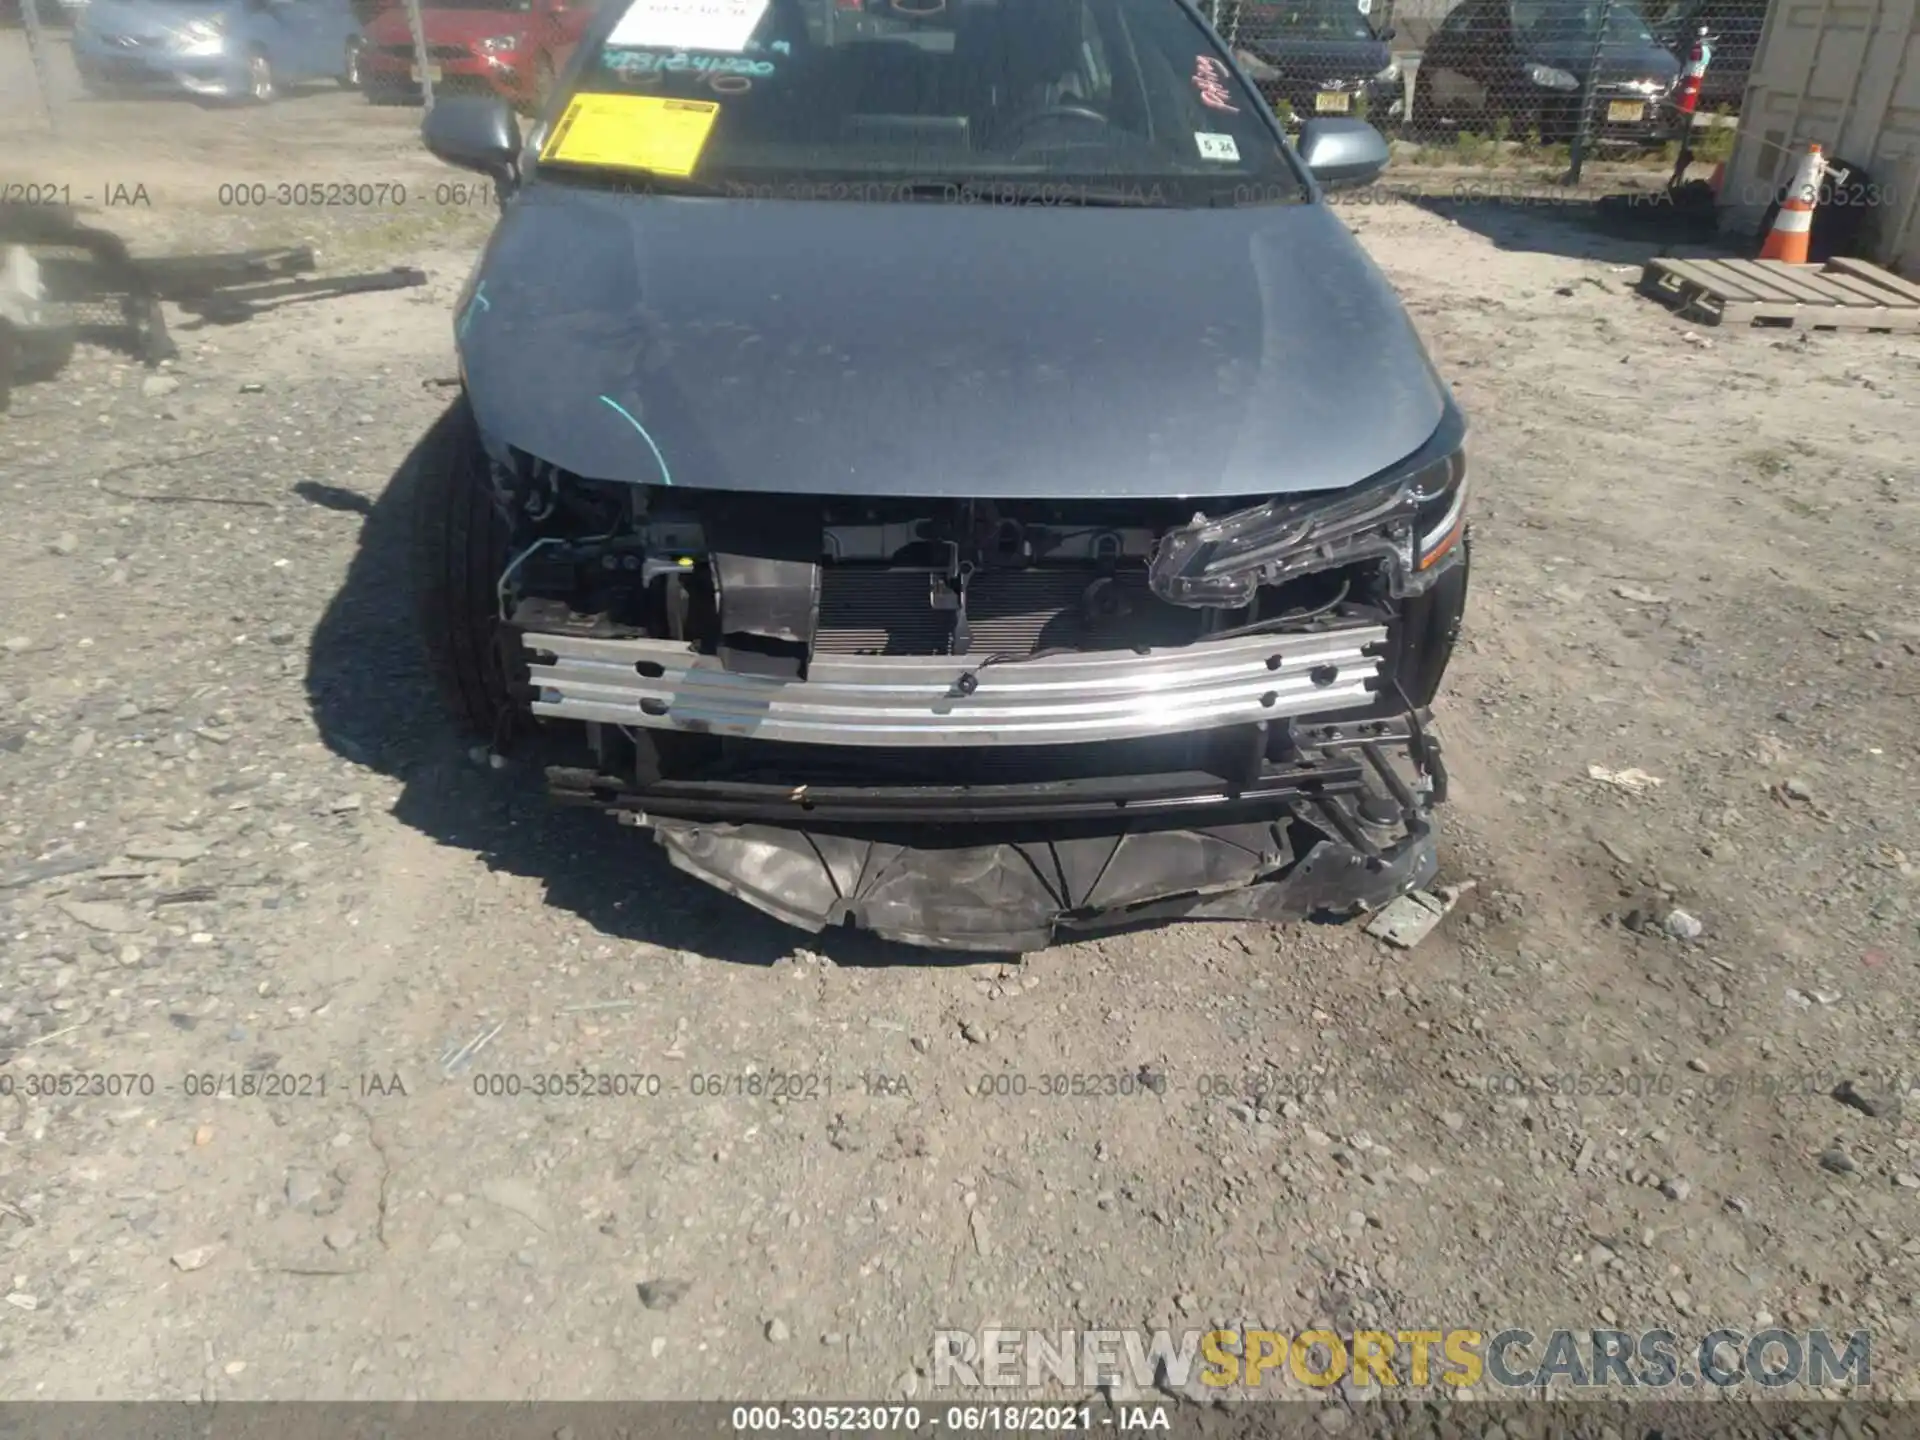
{"x":509,"y":48}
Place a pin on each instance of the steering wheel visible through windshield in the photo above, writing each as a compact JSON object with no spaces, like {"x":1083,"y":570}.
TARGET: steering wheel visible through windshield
{"x":1126,"y":101}
{"x":1551,"y":21}
{"x":1315,"y":19}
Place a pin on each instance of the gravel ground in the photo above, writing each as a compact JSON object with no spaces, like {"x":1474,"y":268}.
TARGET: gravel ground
{"x":239,"y":842}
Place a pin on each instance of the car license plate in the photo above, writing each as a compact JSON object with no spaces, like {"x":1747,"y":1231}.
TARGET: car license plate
{"x":433,"y":74}
{"x":1626,"y":112}
{"x":1332,"y":102}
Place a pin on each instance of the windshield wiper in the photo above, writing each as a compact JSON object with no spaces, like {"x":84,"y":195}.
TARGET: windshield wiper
{"x":1061,"y":193}
{"x":1263,"y":193}
{"x":629,"y":182}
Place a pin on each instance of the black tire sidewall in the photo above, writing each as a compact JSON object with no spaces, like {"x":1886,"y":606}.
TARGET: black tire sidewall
{"x":1420,"y":120}
{"x":273,"y":81}
{"x":459,"y":548}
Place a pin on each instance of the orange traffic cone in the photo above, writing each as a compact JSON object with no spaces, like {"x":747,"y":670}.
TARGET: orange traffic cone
{"x":1793,"y":226}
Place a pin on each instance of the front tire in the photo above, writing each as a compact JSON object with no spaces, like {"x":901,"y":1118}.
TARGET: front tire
{"x":1421,"y":123}
{"x":459,"y":550}
{"x":95,"y":85}
{"x":261,"y":87}
{"x":1558,"y":122}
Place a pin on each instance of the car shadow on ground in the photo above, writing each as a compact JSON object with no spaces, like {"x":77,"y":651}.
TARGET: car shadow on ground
{"x":1618,"y":229}
{"x":375,"y":705}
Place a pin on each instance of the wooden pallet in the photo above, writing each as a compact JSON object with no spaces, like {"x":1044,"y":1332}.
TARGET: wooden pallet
{"x":1842,"y":295}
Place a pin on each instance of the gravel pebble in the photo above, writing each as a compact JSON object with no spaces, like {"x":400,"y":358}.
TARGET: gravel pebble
{"x":1682,"y":926}
{"x":662,"y":1294}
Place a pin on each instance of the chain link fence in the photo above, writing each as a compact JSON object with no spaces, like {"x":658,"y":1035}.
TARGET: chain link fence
{"x":60,"y":64}
{"x":1463,"y":83}
{"x":1488,"y":82}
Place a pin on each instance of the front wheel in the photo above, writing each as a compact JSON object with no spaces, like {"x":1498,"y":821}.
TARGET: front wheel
{"x":260,"y":82}
{"x":459,"y":551}
{"x":1558,"y":122}
{"x":1420,"y":121}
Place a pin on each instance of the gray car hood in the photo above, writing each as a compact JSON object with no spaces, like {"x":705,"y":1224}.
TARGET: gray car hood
{"x":941,"y":350}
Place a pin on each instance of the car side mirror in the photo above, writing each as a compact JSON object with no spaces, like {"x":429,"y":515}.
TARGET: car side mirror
{"x":474,"y":132}
{"x":1341,"y":152}
{"x":1387,"y":34}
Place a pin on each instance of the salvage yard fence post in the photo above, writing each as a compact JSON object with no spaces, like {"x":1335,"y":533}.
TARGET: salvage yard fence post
{"x":420,"y":62}
{"x":37,"y":53}
{"x":1583,"y":129}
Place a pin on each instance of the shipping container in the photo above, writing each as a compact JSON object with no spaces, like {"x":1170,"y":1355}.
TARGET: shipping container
{"x":1844,"y":74}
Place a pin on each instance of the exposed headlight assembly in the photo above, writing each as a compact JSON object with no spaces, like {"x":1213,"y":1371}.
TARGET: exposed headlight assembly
{"x":1411,"y":518}
{"x":1441,"y":513}
{"x":1392,"y":72}
{"x":1551,"y":78}
{"x":497,"y":44}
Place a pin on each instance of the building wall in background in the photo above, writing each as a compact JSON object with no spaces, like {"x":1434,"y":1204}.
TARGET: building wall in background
{"x":1844,"y":74}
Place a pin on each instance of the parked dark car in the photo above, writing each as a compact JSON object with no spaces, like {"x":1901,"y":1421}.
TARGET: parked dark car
{"x":966,"y":483}
{"x":1317,"y":57}
{"x":1734,"y":28}
{"x":1524,"y":62}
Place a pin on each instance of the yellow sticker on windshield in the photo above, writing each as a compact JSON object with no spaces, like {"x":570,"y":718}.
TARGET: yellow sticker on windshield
{"x":633,"y":132}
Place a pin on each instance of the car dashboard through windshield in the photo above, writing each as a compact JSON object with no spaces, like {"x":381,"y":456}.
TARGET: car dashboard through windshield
{"x":963,"y":87}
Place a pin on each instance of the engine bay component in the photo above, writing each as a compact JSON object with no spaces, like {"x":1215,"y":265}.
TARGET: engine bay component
{"x":986,"y":725}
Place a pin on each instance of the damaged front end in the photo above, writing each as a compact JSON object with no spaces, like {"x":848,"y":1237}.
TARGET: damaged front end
{"x":986,"y":725}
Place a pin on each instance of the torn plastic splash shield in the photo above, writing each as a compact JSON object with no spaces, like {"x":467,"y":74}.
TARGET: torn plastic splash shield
{"x":1224,"y":560}
{"x":1012,"y":897}
{"x":1002,"y":879}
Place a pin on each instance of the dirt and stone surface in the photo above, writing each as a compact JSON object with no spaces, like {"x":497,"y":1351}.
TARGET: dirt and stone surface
{"x":237,"y":841}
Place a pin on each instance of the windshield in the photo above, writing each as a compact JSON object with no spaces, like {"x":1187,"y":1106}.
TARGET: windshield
{"x":516,"y":6}
{"x":1557,"y":21}
{"x":1060,"y":101}
{"x":1313,"y":19}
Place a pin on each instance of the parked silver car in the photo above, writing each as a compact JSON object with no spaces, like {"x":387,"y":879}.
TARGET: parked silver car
{"x":215,"y":49}
{"x":964,"y":481}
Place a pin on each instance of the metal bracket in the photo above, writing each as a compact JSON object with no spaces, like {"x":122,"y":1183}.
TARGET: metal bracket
{"x":949,"y":592}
